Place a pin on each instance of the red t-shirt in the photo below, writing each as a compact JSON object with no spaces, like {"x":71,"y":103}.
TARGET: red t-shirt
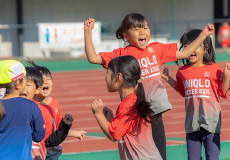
{"x":39,"y":149}
{"x":150,"y":59}
{"x":55,"y":111}
{"x":133,"y":133}
{"x":224,"y":33}
{"x":202,"y":88}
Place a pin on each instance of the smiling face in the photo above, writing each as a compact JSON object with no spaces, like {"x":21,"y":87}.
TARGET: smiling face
{"x":196,"y":59}
{"x":138,"y":36}
{"x":47,"y":86}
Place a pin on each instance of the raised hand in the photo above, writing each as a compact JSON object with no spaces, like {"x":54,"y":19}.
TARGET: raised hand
{"x":68,"y":119}
{"x":227,"y":70}
{"x":164,"y":72}
{"x":108,"y":113}
{"x":97,"y":106}
{"x":209,"y":30}
{"x":89,"y":24}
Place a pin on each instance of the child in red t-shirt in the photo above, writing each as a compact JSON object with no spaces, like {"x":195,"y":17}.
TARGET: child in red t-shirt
{"x":224,"y":35}
{"x":53,"y":151}
{"x":201,"y":82}
{"x":34,"y":82}
{"x":131,"y":125}
{"x":135,"y":31}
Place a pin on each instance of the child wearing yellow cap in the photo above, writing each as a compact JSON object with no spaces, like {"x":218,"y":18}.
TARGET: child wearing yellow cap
{"x":22,"y":122}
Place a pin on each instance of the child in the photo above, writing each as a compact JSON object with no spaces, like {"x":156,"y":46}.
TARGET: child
{"x":23,"y":120}
{"x":2,"y":111}
{"x":34,"y":82}
{"x":130,"y":126}
{"x":134,"y":29}
{"x":200,"y":82}
{"x":54,"y":148}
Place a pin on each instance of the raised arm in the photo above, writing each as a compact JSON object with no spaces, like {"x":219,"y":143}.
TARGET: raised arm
{"x":97,"y":108}
{"x":208,"y":30}
{"x":226,"y":77}
{"x":89,"y":47}
{"x":165,"y":75}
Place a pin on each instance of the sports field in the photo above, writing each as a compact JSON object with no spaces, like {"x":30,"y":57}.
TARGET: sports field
{"x":78,"y":83}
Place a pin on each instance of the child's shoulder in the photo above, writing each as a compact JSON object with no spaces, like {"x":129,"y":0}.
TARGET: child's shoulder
{"x":54,"y":102}
{"x":184,"y":67}
{"x":19,"y":101}
{"x":155,"y":44}
{"x":22,"y":103}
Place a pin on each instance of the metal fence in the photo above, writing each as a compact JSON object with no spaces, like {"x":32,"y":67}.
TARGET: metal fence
{"x":23,"y":40}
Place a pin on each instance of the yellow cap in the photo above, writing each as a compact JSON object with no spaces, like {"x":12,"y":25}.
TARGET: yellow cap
{"x":11,"y":70}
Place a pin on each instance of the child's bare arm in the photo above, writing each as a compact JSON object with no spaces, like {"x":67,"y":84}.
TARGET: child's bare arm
{"x":77,"y":134}
{"x":226,"y":77}
{"x":89,"y":47}
{"x":108,"y":113}
{"x":208,"y":30}
{"x":97,"y":108}
{"x":165,"y":75}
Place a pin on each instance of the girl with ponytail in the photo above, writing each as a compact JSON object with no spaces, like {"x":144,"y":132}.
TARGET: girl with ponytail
{"x":131,"y":125}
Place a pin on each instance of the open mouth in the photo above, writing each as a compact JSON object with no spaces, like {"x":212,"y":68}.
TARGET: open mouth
{"x":192,"y":55}
{"x":45,"y":89}
{"x":23,"y":95}
{"x":142,"y":41}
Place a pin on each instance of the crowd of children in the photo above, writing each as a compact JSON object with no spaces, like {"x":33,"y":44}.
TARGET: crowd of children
{"x":32,"y":127}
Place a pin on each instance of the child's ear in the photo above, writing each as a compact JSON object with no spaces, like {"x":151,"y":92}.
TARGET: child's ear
{"x":125,"y":35}
{"x":38,"y":90}
{"x":119,"y":77}
{"x":18,"y":83}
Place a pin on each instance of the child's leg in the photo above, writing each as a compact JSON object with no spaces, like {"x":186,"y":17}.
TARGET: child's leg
{"x":212,"y":145}
{"x":194,"y":143}
{"x":158,"y":133}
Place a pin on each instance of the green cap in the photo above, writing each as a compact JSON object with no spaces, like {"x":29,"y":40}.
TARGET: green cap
{"x":11,"y":70}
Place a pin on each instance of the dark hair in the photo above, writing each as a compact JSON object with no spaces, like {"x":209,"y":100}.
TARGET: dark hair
{"x":188,"y":37}
{"x":130,"y":20}
{"x":130,"y":69}
{"x":42,"y":69}
{"x":2,"y":111}
{"x":35,"y":75}
{"x":10,"y":86}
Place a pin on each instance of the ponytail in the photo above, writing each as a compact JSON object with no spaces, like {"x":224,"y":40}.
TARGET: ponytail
{"x":143,"y":107}
{"x":2,"y":111}
{"x":130,"y":69}
{"x":119,"y":33}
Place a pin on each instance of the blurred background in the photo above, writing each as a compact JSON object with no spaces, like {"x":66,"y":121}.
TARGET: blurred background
{"x":41,"y":29}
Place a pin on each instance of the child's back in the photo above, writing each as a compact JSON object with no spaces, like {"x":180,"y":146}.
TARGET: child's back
{"x":22,"y":118}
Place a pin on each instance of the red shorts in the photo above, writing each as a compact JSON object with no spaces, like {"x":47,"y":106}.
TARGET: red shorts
{"x":226,"y":42}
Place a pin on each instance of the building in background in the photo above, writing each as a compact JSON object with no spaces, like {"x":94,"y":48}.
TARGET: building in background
{"x":168,"y":20}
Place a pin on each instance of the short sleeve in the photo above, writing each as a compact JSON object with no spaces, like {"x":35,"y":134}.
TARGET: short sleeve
{"x":121,"y":124}
{"x":179,"y":84}
{"x":108,"y":56}
{"x":166,"y":52}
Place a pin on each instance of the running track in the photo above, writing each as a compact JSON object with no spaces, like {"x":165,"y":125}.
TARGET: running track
{"x":75,"y":91}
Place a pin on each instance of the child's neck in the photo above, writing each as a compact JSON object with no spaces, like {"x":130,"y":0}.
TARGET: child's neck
{"x":124,"y":92}
{"x":197,"y":64}
{"x":14,"y":94}
{"x":43,"y":100}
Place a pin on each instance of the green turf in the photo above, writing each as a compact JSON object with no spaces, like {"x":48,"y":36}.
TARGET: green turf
{"x":71,"y":65}
{"x":96,"y":134}
{"x":173,"y":153}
